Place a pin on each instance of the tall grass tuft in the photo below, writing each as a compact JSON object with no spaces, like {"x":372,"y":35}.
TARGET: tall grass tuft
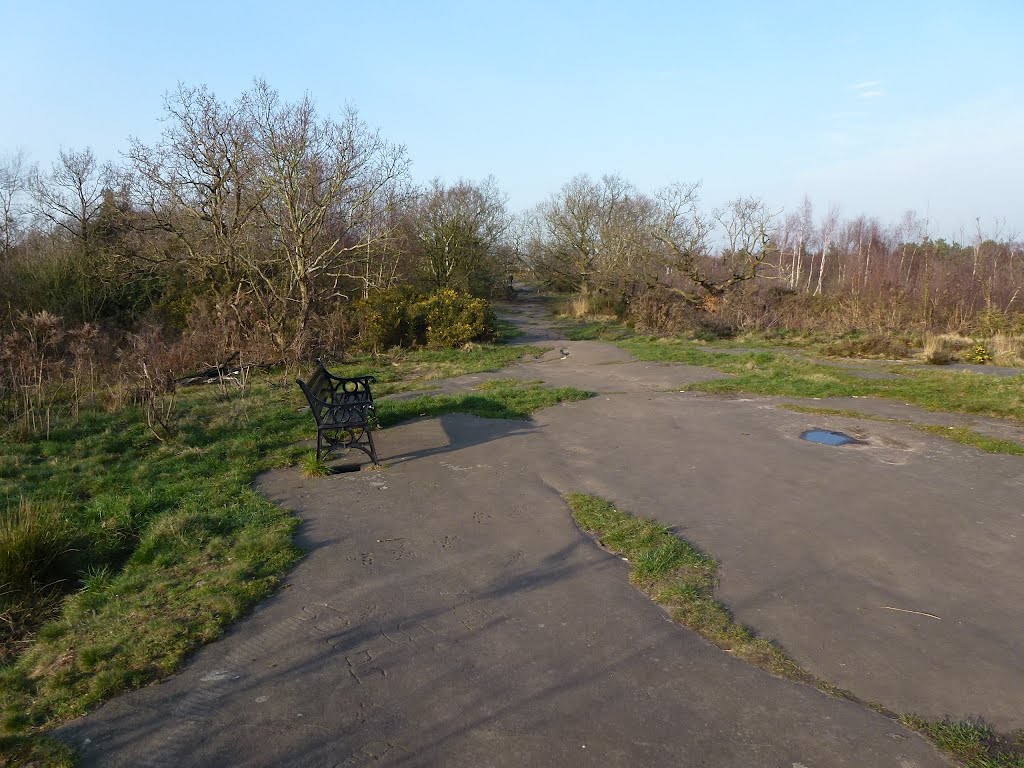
{"x":36,"y":542}
{"x":1001,"y":349}
{"x":945,"y":348}
{"x":1007,"y":349}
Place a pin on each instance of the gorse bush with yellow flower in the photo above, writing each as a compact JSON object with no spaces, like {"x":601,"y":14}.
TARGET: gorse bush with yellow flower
{"x":442,"y":320}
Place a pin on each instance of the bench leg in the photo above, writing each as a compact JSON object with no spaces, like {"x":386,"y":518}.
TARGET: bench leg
{"x":360,"y":438}
{"x":373,"y":448}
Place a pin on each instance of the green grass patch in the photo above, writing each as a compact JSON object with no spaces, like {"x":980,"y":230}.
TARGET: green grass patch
{"x":505,"y":331}
{"x":973,"y":742}
{"x":845,"y":413}
{"x":772,"y":373}
{"x":139,"y":551}
{"x":598,"y":330}
{"x":682,"y":579}
{"x":405,"y":370}
{"x":870,"y":346}
{"x":311,"y":466}
{"x":171,"y":544}
{"x":502,"y":399}
{"x":966,"y":436}
{"x":35,"y":752}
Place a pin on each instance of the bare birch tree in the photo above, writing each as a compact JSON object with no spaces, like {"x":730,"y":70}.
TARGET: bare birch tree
{"x":828,"y":231}
{"x":805,"y":233}
{"x":13,"y":183}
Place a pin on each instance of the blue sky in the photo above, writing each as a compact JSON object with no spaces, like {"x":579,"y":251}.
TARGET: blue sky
{"x":876,"y":107}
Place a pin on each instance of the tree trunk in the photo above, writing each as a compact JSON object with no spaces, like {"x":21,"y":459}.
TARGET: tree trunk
{"x":821,"y":270}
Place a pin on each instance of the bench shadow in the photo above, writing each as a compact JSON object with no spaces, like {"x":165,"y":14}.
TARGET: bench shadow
{"x":461,"y":431}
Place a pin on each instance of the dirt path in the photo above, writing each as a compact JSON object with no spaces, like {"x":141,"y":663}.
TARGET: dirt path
{"x":450,"y":613}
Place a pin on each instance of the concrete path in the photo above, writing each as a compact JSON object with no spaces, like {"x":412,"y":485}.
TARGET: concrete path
{"x":450,"y":613}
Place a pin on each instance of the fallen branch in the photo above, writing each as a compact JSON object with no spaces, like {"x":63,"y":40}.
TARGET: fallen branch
{"x":215,"y":374}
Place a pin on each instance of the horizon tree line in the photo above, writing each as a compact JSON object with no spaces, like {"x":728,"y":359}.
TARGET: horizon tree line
{"x":268,"y":213}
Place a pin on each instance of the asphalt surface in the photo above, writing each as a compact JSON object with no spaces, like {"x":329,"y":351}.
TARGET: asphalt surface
{"x":449,"y":612}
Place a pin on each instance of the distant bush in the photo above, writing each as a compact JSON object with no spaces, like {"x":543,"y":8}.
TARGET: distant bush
{"x":597,"y":305}
{"x":885,"y":347}
{"x":663,"y":312}
{"x":992,"y":321}
{"x":453,"y":319}
{"x":446,"y":319}
{"x":387,"y":320}
{"x":1007,"y":349}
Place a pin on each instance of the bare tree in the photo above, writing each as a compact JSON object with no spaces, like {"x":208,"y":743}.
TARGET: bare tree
{"x":69,"y":195}
{"x":564,"y":245}
{"x":786,"y":239}
{"x":629,"y":262}
{"x":323,"y":183}
{"x":686,"y":234}
{"x":461,"y":232}
{"x":910,"y":229}
{"x":388,"y":240}
{"x":805,"y":232}
{"x":200,"y":184}
{"x":13,"y":182}
{"x":595,"y":234}
{"x":745,"y":223}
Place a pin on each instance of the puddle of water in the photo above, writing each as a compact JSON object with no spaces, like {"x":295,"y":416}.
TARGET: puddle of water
{"x":827,"y":437}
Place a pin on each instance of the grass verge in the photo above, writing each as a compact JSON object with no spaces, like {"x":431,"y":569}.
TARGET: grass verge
{"x":403,"y":370}
{"x":973,"y":742}
{"x":598,"y":330}
{"x":682,"y":579}
{"x":506,"y":331}
{"x":966,"y":436}
{"x":958,"y":434}
{"x":35,"y":752}
{"x":772,"y":373}
{"x":163,"y":544}
{"x":499,"y":399}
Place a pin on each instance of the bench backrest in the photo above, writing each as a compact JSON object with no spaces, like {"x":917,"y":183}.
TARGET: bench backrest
{"x":335,"y":400}
{"x":318,"y":393}
{"x":353,"y":389}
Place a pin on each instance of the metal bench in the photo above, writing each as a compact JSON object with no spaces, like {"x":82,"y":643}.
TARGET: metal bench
{"x":344,"y":411}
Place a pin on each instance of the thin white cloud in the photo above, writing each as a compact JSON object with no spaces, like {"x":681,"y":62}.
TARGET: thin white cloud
{"x":870,"y":94}
{"x":961,"y":163}
{"x":843,"y":139}
{"x":867,"y":85}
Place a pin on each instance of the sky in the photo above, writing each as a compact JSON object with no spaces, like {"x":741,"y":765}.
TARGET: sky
{"x":877,"y":107}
